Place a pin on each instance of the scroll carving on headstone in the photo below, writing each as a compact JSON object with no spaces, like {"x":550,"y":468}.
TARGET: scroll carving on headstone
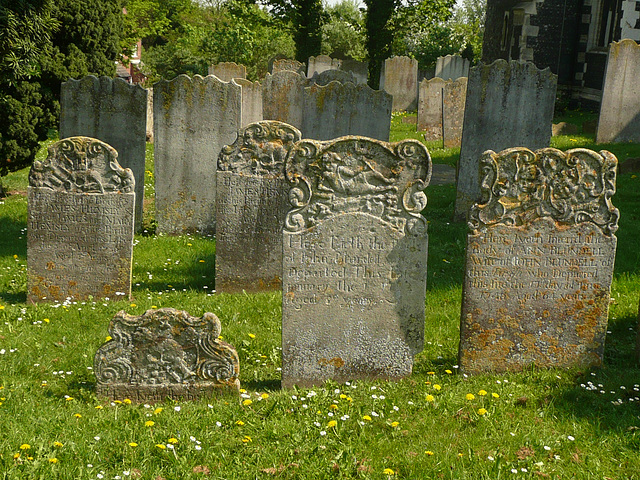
{"x":165,"y":353}
{"x":355,"y":253}
{"x":540,"y":257}
{"x":251,"y":204}
{"x":80,"y":223}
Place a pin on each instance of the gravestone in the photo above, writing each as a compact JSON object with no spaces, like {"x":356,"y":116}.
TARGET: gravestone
{"x":80,"y":223}
{"x":539,"y":261}
{"x":165,"y":354}
{"x":400,"y":78}
{"x":619,"y":119}
{"x":329,"y":76}
{"x":509,"y":104}
{"x":282,"y":97}
{"x":288,"y":64}
{"x":346,"y":109}
{"x":251,"y":101}
{"x":360,"y":70}
{"x":320,"y":64}
{"x":435,"y":97}
{"x":149,"y":131}
{"x":227,"y":71}
{"x":113,"y":111}
{"x":452,"y":67}
{"x":193,"y":119}
{"x":252,"y":199}
{"x":355,"y":260}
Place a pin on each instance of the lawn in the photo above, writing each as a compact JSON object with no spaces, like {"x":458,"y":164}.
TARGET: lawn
{"x":435,"y":424}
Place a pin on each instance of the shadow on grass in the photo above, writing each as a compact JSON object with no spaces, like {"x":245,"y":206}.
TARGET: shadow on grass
{"x":10,"y":242}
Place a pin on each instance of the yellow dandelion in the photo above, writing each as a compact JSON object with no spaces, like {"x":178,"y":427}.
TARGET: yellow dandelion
{"x":349,"y":399}
{"x":117,"y":402}
{"x":437,"y":387}
{"x":77,"y":415}
{"x":58,"y":444}
{"x":173,"y":440}
{"x":133,"y":305}
{"x":431,"y":373}
{"x":388,"y":471}
{"x":15,"y":256}
{"x":242,"y":390}
{"x":482,"y":393}
{"x":470,"y":396}
{"x":264,"y":396}
{"x":98,"y":407}
{"x":430,"y":398}
{"x":1,"y":307}
{"x":133,"y":444}
{"x":201,"y":261}
{"x":157,"y":410}
{"x":395,"y":424}
{"x":482,"y":411}
{"x":16,"y":456}
{"x":251,"y":335}
{"x":126,"y":401}
{"x":333,"y":406}
{"x":189,"y":245}
{"x":495,"y":395}
{"x":53,"y":460}
{"x":108,"y":338}
{"x":154,"y":306}
{"x":448,"y":372}
{"x":161,"y":446}
{"x":25,"y":446}
{"x":247,"y":402}
{"x":29,"y":458}
{"x":428,"y":452}
{"x":240,"y":422}
{"x":69,"y":399}
{"x":246,"y":439}
{"x":149,"y":423}
{"x":460,"y":455}
{"x":343,"y":396}
{"x":332,"y":424}
{"x":46,"y":320}
{"x":366,"y":418}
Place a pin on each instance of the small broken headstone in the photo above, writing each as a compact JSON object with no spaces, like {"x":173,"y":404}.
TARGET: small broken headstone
{"x":355,"y":260}
{"x":540,"y":259}
{"x":80,"y":223}
{"x":252,"y":199}
{"x":165,"y":353}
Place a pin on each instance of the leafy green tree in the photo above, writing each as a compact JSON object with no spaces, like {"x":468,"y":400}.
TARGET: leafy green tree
{"x":344,"y":30}
{"x":26,"y":27}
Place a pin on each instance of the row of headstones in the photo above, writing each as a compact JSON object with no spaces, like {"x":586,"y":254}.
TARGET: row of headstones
{"x":351,"y":248}
{"x":194,"y":117}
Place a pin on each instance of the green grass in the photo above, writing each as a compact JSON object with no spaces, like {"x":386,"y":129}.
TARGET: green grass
{"x":542,"y":424}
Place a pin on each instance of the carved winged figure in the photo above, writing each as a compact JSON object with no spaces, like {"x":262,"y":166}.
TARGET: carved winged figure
{"x":353,"y":177}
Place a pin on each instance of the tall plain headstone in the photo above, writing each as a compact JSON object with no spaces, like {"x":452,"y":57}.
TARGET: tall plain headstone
{"x":165,"y":354}
{"x":320,"y":64}
{"x":539,"y":262}
{"x":451,"y":67}
{"x":282,"y":97}
{"x":80,"y":223}
{"x":251,"y":101}
{"x":252,"y":199}
{"x":341,"y":109}
{"x":400,"y":78}
{"x":355,"y":260}
{"x":441,"y":109}
{"x":620,"y":108}
{"x":113,"y":111}
{"x":509,"y":104}
{"x":149,"y":132}
{"x":193,"y":119}
{"x":227,"y":71}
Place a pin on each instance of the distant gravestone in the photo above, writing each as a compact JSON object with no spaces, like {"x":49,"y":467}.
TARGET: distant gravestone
{"x":193,"y":119}
{"x":437,"y":96}
{"x":346,"y":109}
{"x":288,"y":64}
{"x":620,"y":108}
{"x":400,"y":79}
{"x":113,"y":111}
{"x":320,"y":64}
{"x":80,"y":223}
{"x":165,"y":354}
{"x":360,"y":70}
{"x":508,"y":104}
{"x":149,"y":132}
{"x":452,"y":67}
{"x":227,"y":71}
{"x":355,"y":260}
{"x":282,"y":97}
{"x":329,"y":76}
{"x":251,"y":101}
{"x":539,"y":263}
{"x":252,"y":199}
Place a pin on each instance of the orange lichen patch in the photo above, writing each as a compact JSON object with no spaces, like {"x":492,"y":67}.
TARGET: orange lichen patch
{"x":336,"y":362}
